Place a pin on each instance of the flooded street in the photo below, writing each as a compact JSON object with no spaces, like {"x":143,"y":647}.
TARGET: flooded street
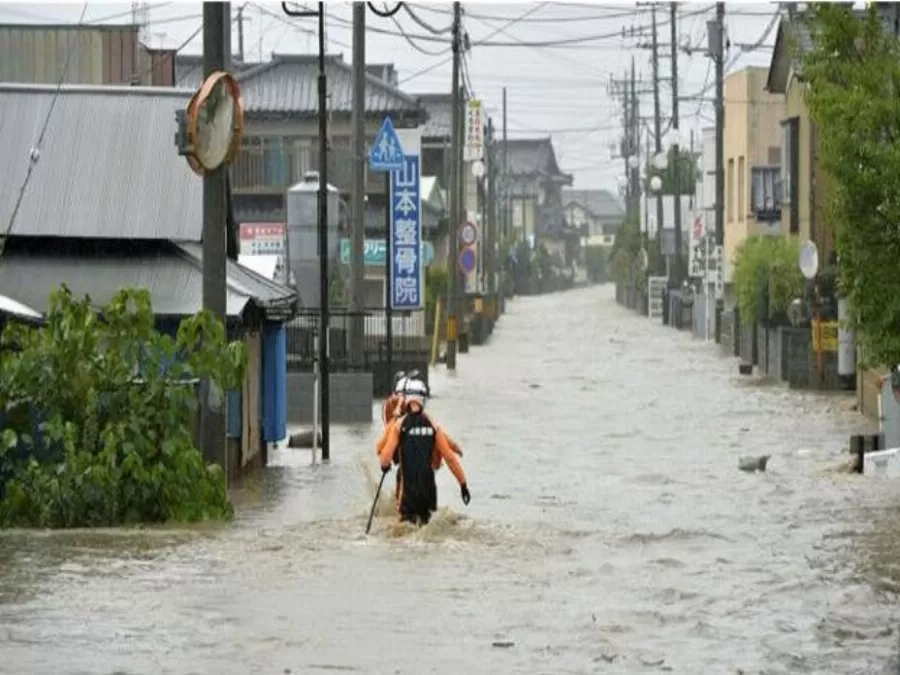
{"x":609,"y":531}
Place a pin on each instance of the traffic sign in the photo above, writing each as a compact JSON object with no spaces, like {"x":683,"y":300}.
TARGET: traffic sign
{"x":467,"y":260}
{"x":468,"y":233}
{"x":387,"y":151}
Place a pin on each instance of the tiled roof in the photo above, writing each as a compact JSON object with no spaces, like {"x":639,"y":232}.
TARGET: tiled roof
{"x":440,"y":113}
{"x":108,"y":166}
{"x":286,"y":85}
{"x":599,"y":203}
{"x":532,"y":156}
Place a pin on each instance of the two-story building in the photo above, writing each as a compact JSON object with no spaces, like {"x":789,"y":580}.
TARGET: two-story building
{"x":752,"y":153}
{"x":535,"y":193}
{"x":280,"y":142}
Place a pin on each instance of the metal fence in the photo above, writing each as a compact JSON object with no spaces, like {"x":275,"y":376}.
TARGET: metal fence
{"x":409,"y":336}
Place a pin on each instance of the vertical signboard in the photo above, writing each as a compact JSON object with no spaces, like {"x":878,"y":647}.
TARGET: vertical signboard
{"x":473,"y":150}
{"x":697,"y":251}
{"x":407,"y":271}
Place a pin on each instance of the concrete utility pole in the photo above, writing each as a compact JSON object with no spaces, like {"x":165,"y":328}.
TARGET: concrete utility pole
{"x":657,"y":124}
{"x":507,"y":188}
{"x":358,"y":186}
{"x":717,"y":51}
{"x":678,"y":268}
{"x":490,"y":234}
{"x":716,"y":30}
{"x":626,"y":145}
{"x":240,"y":27}
{"x":456,"y":180}
{"x":212,"y":412}
{"x":634,"y":144}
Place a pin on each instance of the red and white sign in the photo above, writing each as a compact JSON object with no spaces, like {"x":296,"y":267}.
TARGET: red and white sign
{"x":262,"y":238}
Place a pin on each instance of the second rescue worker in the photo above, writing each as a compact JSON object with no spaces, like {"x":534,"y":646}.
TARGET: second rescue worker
{"x":418,"y":447}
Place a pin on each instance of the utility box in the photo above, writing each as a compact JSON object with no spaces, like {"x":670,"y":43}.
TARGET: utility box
{"x":302,"y":235}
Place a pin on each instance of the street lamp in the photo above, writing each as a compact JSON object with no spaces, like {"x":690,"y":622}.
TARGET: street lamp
{"x":661,"y":161}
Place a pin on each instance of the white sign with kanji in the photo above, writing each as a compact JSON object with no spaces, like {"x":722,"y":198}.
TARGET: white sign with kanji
{"x":473,"y":150}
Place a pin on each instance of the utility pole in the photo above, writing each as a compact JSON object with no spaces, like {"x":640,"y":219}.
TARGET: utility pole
{"x":455,"y":191}
{"x":634,"y":144}
{"x":657,"y":125}
{"x":626,"y":145}
{"x":240,"y":26}
{"x":716,"y":32}
{"x":717,"y":50}
{"x":677,"y":269}
{"x":358,"y":186}
{"x":507,"y":187}
{"x":490,"y":216}
{"x":212,"y":415}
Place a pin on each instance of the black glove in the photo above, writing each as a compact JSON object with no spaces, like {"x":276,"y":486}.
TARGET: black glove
{"x":464,"y":492}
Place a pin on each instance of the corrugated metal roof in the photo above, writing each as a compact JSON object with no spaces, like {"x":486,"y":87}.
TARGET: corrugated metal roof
{"x":11,"y":307}
{"x":173,"y":277}
{"x":244,"y":280}
{"x":108,"y":167}
{"x":287,"y":85}
{"x":600,"y":203}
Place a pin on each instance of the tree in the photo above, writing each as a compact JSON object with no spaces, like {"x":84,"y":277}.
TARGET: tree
{"x":852,"y":71}
{"x":97,"y":411}
{"x":688,"y":172}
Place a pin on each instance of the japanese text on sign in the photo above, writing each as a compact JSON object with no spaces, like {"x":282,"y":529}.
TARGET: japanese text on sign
{"x":474,"y":146}
{"x":406,"y":237}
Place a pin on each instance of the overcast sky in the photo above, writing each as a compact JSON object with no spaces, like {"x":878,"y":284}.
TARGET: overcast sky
{"x":562,"y":91}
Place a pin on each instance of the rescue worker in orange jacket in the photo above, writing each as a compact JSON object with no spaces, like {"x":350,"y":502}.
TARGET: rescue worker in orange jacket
{"x":418,"y":446}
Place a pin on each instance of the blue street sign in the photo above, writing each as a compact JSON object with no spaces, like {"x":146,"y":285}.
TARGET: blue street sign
{"x":407,"y":271}
{"x":374,"y":251}
{"x":467,"y":260}
{"x":387,"y":151}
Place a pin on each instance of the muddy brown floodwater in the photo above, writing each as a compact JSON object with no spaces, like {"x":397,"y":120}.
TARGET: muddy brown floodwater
{"x":609,"y":531}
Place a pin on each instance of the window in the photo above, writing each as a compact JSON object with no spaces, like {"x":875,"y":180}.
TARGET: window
{"x":765,"y":197}
{"x":729,"y":196}
{"x":741,"y":191}
{"x":790,"y":168}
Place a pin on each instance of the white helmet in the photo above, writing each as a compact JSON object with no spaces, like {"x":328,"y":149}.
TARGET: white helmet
{"x":414,"y":389}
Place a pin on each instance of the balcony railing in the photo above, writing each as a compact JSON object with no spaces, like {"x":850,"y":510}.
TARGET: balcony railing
{"x":272,"y":163}
{"x":765,"y":193}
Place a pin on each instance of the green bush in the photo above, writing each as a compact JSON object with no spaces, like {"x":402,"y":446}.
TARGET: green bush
{"x":767,"y":278}
{"x":97,"y":414}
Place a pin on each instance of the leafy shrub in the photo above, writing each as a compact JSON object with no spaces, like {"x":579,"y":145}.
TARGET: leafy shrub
{"x":767,"y":277}
{"x":96,"y":412}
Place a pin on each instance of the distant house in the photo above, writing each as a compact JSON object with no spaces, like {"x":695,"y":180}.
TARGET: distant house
{"x":597,"y":214}
{"x":110,"y":204}
{"x":281,"y":137}
{"x":535,"y":193}
{"x":86,"y":54}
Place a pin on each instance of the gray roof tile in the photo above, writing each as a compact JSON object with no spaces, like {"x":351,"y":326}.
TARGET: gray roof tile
{"x":440,"y":114}
{"x":286,"y":85}
{"x":600,"y":203}
{"x":528,"y":156}
{"x":108,"y":166}
{"x":173,"y":277}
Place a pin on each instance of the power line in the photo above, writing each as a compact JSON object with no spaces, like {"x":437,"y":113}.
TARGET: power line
{"x":410,"y":40}
{"x":549,"y":19}
{"x":437,"y":65}
{"x":35,"y":151}
{"x":424,"y":24}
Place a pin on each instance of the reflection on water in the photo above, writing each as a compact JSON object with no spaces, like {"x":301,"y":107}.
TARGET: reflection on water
{"x":609,"y":531}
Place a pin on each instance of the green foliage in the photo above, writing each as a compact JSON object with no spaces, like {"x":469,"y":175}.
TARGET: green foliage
{"x":766,"y":277}
{"x":853,"y":75}
{"x":436,"y":283}
{"x":595,"y":262}
{"x":688,"y":172}
{"x":97,"y":413}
